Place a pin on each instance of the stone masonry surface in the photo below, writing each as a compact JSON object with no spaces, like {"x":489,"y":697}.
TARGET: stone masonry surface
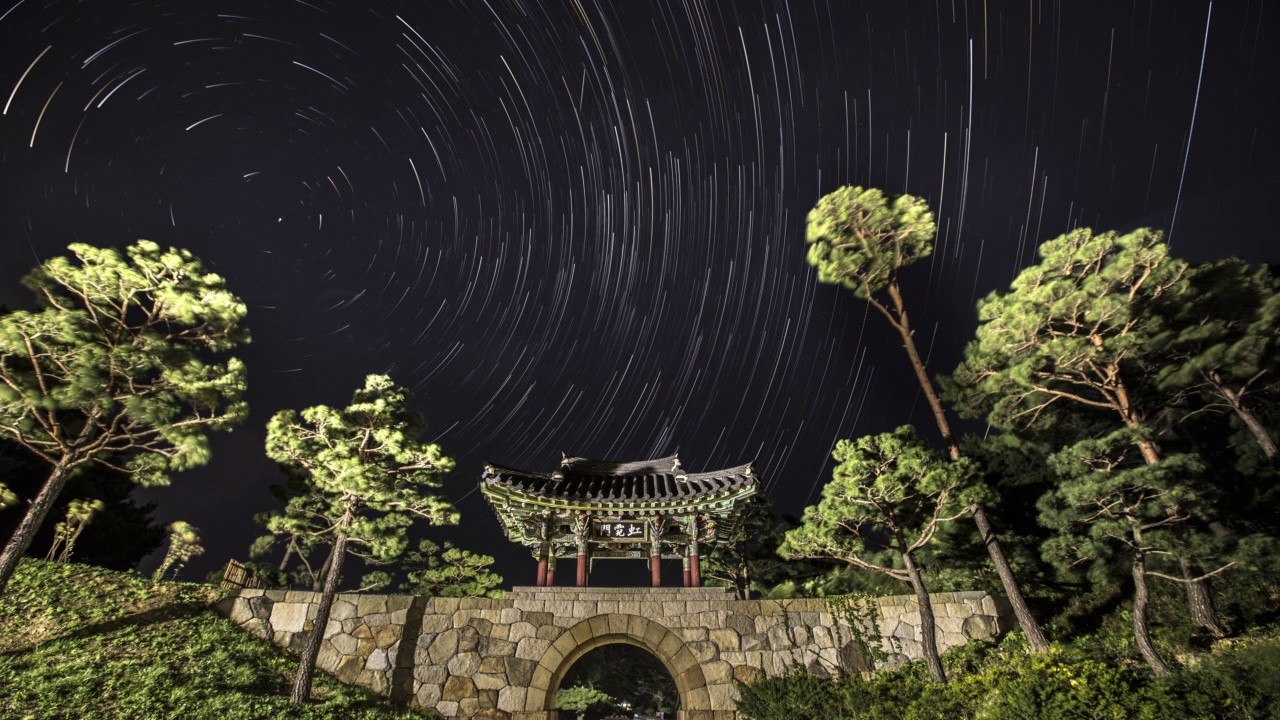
{"x":503,"y":659}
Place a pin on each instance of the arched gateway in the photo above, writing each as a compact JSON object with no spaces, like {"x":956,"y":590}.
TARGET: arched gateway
{"x":504,"y":659}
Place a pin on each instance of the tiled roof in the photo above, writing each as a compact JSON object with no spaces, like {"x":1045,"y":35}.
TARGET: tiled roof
{"x":614,"y":483}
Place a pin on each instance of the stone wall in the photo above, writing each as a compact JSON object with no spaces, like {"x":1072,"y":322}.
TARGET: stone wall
{"x":504,"y":659}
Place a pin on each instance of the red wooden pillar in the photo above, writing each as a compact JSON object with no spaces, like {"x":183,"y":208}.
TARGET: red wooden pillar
{"x":542,"y":566}
{"x":684,"y":561}
{"x":582,"y":565}
{"x":551,"y":571}
{"x":695,"y":573}
{"x":655,"y":569}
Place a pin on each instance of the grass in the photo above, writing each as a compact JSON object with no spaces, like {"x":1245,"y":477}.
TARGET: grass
{"x":78,"y":641}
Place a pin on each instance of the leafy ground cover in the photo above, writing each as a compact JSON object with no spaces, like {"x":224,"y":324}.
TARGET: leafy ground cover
{"x":1237,"y":681}
{"x":78,"y":641}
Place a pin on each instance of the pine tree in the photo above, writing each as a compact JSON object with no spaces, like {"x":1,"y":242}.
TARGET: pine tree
{"x":116,"y":360}
{"x":1108,"y":501}
{"x":1068,"y":337}
{"x":184,"y":544}
{"x":886,"y":501}
{"x":368,"y":478}
{"x":79,"y":514}
{"x":861,"y":239}
{"x":449,"y":572}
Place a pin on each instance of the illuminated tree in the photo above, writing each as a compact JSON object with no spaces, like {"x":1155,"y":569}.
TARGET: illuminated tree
{"x":449,"y":572}
{"x":368,"y":479}
{"x":861,"y":239}
{"x":184,"y":544}
{"x":117,"y":361}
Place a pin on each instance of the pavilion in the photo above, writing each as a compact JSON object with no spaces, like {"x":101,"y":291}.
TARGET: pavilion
{"x":648,"y":510}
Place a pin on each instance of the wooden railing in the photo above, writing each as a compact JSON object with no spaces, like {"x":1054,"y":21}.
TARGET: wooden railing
{"x":236,"y":576}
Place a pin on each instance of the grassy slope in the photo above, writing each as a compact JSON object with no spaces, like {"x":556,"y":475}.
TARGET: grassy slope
{"x":78,"y":641}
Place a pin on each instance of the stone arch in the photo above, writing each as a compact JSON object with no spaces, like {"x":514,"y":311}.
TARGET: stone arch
{"x":695,"y":700}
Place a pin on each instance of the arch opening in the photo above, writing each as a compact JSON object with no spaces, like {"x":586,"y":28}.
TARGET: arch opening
{"x":665,"y":647}
{"x":638,"y":683}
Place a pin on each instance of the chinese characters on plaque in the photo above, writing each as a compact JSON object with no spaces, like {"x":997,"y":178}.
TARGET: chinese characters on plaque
{"x":619,"y":530}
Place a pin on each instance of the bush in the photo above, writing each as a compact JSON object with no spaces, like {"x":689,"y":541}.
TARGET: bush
{"x":1066,"y":683}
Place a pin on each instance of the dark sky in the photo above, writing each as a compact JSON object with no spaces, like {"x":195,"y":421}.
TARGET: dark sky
{"x":577,"y":225}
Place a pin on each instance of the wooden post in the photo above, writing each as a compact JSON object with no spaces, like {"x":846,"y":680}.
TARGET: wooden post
{"x":695,"y":572}
{"x":542,"y":566}
{"x":655,"y":570}
{"x":684,"y":562}
{"x":582,"y":565}
{"x":551,"y":571}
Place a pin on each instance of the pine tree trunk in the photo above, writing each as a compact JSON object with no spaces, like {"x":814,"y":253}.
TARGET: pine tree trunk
{"x":928,"y":631}
{"x":31,"y":522}
{"x":1013,"y":593}
{"x":284,"y":561}
{"x":1260,"y":433}
{"x":1012,"y":590}
{"x":307,"y":663}
{"x":1140,"y":633}
{"x":1199,"y":600}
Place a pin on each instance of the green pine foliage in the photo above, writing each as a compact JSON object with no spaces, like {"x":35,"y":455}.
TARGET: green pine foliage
{"x":77,"y":641}
{"x":449,"y":572}
{"x":118,"y":360}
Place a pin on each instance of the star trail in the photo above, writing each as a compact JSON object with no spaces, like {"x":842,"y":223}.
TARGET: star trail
{"x":578,"y":225}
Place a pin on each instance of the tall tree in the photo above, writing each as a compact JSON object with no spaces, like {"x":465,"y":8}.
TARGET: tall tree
{"x":1106,"y":502}
{"x":861,"y":239}
{"x":369,"y":477}
{"x":1222,"y":344}
{"x":449,"y":572}
{"x":79,"y":514}
{"x":1068,"y":337}
{"x":117,"y":360}
{"x":886,"y":501}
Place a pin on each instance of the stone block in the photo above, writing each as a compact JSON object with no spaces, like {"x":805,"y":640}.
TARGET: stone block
{"x":741,"y":624}
{"x":582,"y":632}
{"x":510,"y":615}
{"x":520,"y":631}
{"x":464,"y":664}
{"x":629,"y":607}
{"x":702,"y":651}
{"x":520,"y":671}
{"x":674,"y":609}
{"x":539,"y":619}
{"x":444,"y":647}
{"x":458,"y":688}
{"x":386,"y":635}
{"x":492,"y":665}
{"x":377,"y":661}
{"x":754,"y":642}
{"x":427,"y":695}
{"x":511,"y":699}
{"x":747,"y":675}
{"x":258,"y":627}
{"x":979,"y":627}
{"x":370,"y":604}
{"x":617,"y":624}
{"x":550,"y":632}
{"x":532,"y":648}
{"x":399,"y":602}
{"x":436,"y":623}
{"x":288,"y":617}
{"x":362,"y":632}
{"x":431,"y":673}
{"x":493,"y":647}
{"x":692,"y":634}
{"x":490,"y":681}
{"x":275,"y":595}
{"x":488,"y":709}
{"x":717,"y":672}
{"x":343,"y":644}
{"x":559,"y":609}
{"x":723,"y":696}
{"x":447,"y":708}
{"x":443,"y":605}
{"x":604,"y":607}
{"x":468,"y":638}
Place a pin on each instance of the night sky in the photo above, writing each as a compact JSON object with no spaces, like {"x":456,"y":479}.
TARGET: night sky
{"x":578,"y":225}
